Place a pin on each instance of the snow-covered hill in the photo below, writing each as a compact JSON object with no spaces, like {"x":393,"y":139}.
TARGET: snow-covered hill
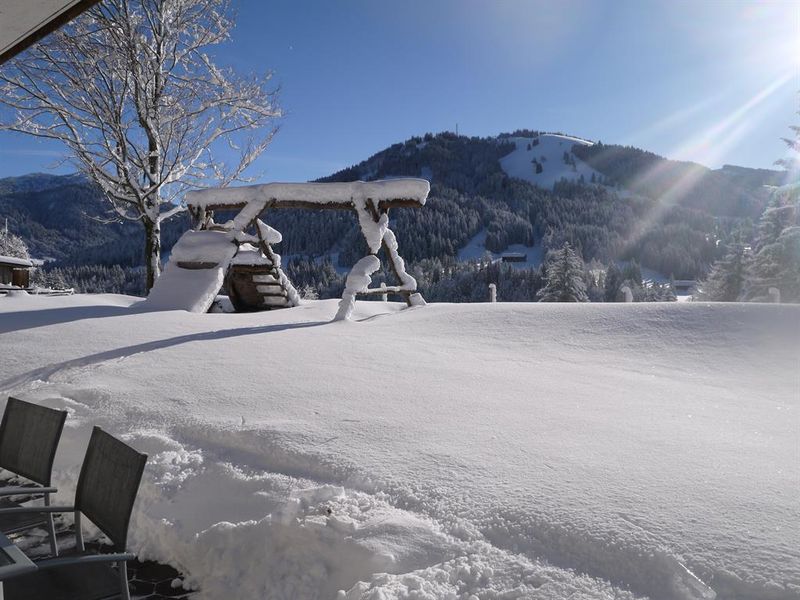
{"x":540,"y":160}
{"x":465,"y":451}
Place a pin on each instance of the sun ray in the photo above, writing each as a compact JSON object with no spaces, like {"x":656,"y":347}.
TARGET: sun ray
{"x":715,"y":141}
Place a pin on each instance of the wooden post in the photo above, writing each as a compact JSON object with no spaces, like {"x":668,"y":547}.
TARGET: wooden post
{"x":492,"y":293}
{"x":199,"y":217}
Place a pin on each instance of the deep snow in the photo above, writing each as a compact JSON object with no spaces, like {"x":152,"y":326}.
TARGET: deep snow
{"x":489,"y":451}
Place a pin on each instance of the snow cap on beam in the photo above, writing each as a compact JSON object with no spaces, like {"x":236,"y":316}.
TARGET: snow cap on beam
{"x":401,"y":190}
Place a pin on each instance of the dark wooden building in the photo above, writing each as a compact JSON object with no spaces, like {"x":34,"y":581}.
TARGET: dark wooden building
{"x":15,"y":271}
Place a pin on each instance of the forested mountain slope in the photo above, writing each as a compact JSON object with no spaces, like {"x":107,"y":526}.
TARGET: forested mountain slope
{"x":610,"y":202}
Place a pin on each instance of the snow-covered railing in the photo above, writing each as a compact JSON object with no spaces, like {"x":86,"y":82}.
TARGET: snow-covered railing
{"x":370,"y":200}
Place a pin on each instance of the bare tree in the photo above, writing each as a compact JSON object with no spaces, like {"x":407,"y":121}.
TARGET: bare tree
{"x":130,"y":90}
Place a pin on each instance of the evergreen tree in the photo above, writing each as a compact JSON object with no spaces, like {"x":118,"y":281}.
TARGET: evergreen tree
{"x":726,"y":280}
{"x":667,"y":292}
{"x":49,"y":278}
{"x":564,"y":277}
{"x":12,"y":245}
{"x":633,"y":273}
{"x":776,"y":259}
{"x":613,"y":282}
{"x":776,"y":262}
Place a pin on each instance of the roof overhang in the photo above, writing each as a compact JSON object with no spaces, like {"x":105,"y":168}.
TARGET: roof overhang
{"x":12,"y":261}
{"x":25,"y":22}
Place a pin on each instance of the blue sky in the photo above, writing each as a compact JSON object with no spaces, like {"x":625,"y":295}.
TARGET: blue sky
{"x":716,"y":82}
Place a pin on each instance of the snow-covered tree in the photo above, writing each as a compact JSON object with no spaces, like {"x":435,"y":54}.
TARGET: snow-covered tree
{"x":50,"y":279}
{"x":612,"y":283}
{"x":776,"y":262}
{"x":726,"y":280}
{"x":792,"y":162}
{"x":564,"y":277}
{"x":12,"y":245}
{"x":131,"y":90}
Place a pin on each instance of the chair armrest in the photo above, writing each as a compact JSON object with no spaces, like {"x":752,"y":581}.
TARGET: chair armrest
{"x":52,"y":563}
{"x":17,"y":510}
{"x":27,"y":491}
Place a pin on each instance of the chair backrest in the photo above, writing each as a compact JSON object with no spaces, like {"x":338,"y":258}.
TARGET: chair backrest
{"x":108,"y":484}
{"x":29,"y":436}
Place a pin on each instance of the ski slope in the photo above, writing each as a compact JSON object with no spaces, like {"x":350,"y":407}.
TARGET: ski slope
{"x":550,"y":154}
{"x":448,"y":451}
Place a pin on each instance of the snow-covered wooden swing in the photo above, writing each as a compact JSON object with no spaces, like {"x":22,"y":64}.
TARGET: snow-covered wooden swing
{"x":239,"y":253}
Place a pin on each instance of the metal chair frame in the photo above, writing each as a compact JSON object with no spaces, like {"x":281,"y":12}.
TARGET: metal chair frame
{"x":120,"y":558}
{"x":15,"y":409}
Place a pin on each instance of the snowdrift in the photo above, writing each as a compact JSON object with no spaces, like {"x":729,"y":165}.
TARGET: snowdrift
{"x":450,"y":451}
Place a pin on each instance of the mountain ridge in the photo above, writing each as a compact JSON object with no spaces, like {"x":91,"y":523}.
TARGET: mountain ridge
{"x":473,"y":191}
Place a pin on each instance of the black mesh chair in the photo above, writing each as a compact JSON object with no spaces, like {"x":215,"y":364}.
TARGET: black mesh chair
{"x":29,"y":436}
{"x":107,"y":488}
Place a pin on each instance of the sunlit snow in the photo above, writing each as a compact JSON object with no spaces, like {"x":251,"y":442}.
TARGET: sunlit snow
{"x":448,"y":451}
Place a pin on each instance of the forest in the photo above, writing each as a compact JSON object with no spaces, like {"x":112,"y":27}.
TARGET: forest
{"x":634,"y":217}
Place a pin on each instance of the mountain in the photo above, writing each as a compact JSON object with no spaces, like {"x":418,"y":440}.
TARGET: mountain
{"x":525,"y":190}
{"x":534,"y":188}
{"x":60,"y":217}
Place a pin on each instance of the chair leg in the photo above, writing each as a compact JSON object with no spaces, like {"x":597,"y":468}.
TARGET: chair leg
{"x":79,"y":532}
{"x":125,"y":593}
{"x":51,"y":528}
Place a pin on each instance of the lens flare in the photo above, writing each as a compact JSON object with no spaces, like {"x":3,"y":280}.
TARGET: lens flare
{"x":713,"y":143}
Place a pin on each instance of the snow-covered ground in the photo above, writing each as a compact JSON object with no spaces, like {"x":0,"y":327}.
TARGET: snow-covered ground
{"x":550,"y":154}
{"x":448,"y":451}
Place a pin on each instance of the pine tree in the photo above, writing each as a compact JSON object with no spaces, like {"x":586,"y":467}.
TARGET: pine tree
{"x":667,"y":292}
{"x":726,"y":280}
{"x":633,"y":273}
{"x":776,"y":262}
{"x":612,"y":283}
{"x":12,"y":245}
{"x":564,"y":277}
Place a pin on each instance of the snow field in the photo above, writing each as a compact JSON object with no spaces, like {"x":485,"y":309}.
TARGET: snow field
{"x":552,"y":147}
{"x":452,"y":451}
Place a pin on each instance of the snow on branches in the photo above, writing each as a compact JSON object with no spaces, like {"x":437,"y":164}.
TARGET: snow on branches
{"x":130,"y":89}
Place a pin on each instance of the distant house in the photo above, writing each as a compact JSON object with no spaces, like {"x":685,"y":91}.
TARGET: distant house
{"x":685,"y":286}
{"x":514,"y":257}
{"x":15,"y":271}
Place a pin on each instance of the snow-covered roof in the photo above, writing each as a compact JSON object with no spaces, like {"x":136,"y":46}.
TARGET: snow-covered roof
{"x":401,"y":191}
{"x":15,"y":262}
